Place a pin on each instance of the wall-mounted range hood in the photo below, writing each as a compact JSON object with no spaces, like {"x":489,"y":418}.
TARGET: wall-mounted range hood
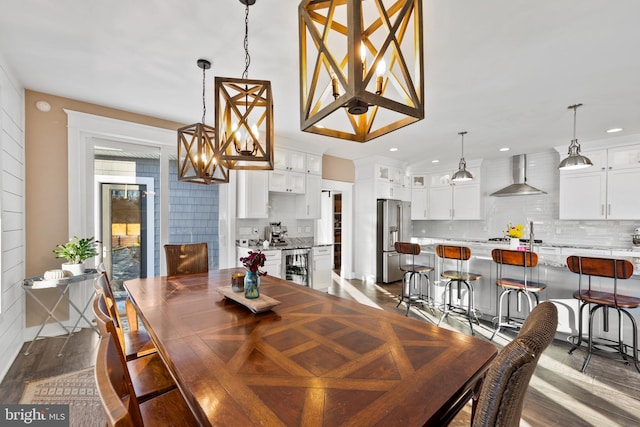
{"x":519,"y":186}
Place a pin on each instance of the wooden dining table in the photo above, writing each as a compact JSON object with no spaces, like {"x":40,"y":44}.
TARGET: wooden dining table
{"x":314,"y":359}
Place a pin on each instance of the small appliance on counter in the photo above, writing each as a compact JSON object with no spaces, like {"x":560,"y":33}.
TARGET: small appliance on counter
{"x":636,"y":237}
{"x":276,"y":233}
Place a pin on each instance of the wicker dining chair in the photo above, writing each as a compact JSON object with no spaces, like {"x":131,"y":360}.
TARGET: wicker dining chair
{"x":505,"y":384}
{"x":187,"y":258}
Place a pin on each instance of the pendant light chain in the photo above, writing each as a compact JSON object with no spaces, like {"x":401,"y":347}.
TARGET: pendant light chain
{"x":247,"y":57}
{"x":204,"y":104}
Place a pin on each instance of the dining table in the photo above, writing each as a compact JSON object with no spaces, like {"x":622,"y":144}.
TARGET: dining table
{"x":309,"y":358}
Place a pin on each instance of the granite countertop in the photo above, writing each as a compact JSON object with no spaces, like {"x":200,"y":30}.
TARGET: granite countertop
{"x":291,"y":243}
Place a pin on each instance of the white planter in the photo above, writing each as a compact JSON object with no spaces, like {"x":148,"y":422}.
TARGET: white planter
{"x":75,"y":269}
{"x":514,"y":243}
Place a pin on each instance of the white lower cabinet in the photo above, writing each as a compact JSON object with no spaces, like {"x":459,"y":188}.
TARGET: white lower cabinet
{"x":321,"y":268}
{"x":272,"y":264}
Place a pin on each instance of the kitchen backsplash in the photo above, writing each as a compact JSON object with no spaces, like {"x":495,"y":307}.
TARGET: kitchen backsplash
{"x":542,"y":209}
{"x":282,"y":208}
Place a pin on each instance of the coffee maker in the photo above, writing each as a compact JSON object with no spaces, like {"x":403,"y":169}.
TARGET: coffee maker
{"x":276,"y":233}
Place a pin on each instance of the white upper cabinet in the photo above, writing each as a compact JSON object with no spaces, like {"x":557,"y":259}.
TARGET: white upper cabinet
{"x":308,"y":204}
{"x":392,"y":183}
{"x":449,"y":200}
{"x":314,"y":164}
{"x":290,"y":170}
{"x":253,"y":194}
{"x":606,"y":190}
{"x":289,"y":160}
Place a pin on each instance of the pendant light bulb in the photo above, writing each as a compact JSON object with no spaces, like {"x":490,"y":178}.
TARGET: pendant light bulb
{"x":462,"y":174}
{"x":575,"y":160}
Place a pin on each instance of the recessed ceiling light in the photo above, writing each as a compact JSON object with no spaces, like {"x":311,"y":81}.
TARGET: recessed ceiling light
{"x":505,"y":149}
{"x":614,"y":130}
{"x":435,"y":161}
{"x":393,"y":149}
{"x":43,"y":106}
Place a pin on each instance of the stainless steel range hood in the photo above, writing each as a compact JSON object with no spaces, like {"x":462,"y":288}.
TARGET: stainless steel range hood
{"x":519,"y":186}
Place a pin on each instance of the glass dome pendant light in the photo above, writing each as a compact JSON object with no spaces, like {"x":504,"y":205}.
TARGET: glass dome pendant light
{"x":462,"y":174}
{"x":575,"y":160}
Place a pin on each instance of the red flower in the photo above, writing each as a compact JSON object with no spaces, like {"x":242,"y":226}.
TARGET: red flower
{"x":254,"y":261}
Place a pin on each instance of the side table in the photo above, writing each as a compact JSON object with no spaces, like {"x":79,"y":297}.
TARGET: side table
{"x":63,"y":286}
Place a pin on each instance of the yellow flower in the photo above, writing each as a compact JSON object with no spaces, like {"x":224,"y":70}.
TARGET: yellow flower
{"x":516,"y":231}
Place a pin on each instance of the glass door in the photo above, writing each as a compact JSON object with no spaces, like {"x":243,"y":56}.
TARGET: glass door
{"x":124,"y":231}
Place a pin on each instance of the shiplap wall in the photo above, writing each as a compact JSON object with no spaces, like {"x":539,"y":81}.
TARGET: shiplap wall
{"x":12,"y":203}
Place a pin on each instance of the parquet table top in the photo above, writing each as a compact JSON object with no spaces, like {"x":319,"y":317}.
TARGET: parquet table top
{"x":314,"y":360}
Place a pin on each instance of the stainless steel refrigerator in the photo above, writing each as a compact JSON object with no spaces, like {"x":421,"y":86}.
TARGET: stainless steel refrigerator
{"x":394,"y":225}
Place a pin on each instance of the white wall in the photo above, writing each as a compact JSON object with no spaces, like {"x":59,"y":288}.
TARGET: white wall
{"x":12,"y":243}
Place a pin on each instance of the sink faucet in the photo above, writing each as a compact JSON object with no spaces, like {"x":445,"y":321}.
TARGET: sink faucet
{"x":530,"y":236}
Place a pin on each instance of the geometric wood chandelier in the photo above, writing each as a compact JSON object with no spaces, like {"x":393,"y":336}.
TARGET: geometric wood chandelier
{"x":244,"y":116}
{"x":361,"y":67}
{"x":198,"y":153}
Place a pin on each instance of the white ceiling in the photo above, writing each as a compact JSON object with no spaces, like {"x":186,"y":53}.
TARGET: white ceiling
{"x":505,"y":71}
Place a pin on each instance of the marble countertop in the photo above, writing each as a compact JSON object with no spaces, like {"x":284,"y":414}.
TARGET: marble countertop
{"x":551,"y":255}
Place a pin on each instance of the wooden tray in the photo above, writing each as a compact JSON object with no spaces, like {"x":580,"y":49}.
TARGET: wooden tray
{"x":258,"y":305}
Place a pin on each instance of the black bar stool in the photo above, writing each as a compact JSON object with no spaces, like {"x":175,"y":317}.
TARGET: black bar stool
{"x":523,"y":286}
{"x":461,"y":255}
{"x":613,"y":269}
{"x":412,"y":290}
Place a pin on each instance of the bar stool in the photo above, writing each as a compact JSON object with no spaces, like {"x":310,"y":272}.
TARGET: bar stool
{"x":613,"y":269}
{"x":412,"y":290}
{"x":521,"y":286}
{"x":461,"y":255}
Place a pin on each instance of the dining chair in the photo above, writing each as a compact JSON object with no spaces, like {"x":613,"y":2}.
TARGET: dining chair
{"x":129,"y":311}
{"x":187,"y":258}
{"x":412,"y":290}
{"x":119,"y":402}
{"x":604,"y":299}
{"x":503,"y":390}
{"x":514,"y":271}
{"x":459,"y":276}
{"x":149,"y":375}
{"x":136,"y":343}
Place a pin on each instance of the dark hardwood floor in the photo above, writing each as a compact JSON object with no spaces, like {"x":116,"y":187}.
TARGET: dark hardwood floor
{"x":608,"y":394}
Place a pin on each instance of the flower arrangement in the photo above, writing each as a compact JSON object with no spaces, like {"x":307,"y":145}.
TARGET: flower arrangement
{"x":254,"y":261}
{"x":515,"y":231}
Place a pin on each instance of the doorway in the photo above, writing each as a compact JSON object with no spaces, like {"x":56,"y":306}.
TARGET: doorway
{"x":337,"y":232}
{"x":124,"y":231}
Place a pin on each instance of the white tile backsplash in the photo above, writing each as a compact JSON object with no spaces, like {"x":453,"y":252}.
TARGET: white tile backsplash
{"x":542,"y":209}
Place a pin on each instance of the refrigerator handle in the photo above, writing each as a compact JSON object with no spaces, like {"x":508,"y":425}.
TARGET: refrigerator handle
{"x":399,"y":221}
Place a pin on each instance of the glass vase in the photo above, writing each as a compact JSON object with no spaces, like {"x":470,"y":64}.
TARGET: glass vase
{"x":251,"y":285}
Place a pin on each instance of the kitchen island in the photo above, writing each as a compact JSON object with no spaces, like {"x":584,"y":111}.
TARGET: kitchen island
{"x":552,"y":270}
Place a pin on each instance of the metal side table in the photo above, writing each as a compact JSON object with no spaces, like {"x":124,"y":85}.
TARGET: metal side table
{"x":63,"y":286}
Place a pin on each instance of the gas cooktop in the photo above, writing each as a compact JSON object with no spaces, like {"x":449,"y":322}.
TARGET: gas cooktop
{"x":506,"y":239}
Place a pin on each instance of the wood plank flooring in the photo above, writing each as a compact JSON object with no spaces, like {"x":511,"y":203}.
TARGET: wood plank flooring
{"x":608,"y":394}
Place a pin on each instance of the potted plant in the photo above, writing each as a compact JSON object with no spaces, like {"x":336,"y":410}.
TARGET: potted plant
{"x":76,"y":251}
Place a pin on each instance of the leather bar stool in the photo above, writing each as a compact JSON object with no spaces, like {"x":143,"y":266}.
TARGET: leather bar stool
{"x":604,"y":300}
{"x":523,"y":285}
{"x":460,"y":276}
{"x":412,"y":289}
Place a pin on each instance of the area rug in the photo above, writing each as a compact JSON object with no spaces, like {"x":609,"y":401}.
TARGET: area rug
{"x":78,"y":389}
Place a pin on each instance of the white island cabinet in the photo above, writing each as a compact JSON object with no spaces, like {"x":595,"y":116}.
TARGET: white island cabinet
{"x":606,"y":190}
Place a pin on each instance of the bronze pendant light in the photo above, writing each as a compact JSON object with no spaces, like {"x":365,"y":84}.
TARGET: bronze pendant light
{"x":575,"y":160}
{"x":361,"y":67}
{"x":244,"y":116}
{"x":198,"y":154}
